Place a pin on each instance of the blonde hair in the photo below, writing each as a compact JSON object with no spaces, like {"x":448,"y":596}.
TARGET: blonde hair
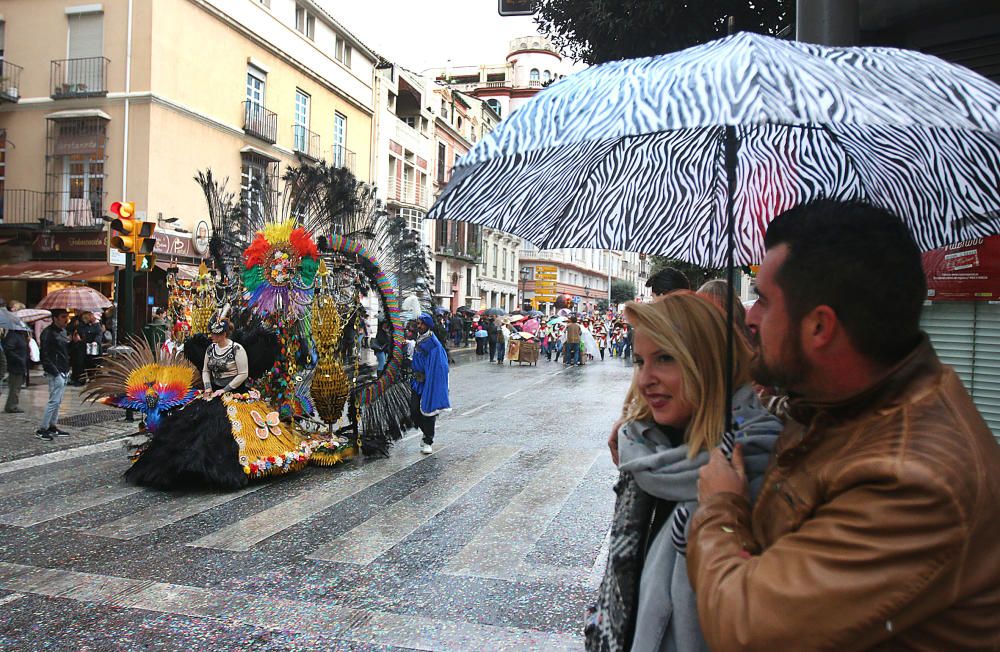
{"x":692,"y":330}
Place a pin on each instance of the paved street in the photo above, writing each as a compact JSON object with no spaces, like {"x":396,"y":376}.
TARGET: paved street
{"x":494,"y":542}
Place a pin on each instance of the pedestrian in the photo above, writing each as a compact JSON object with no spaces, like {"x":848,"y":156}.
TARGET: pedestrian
{"x":457,"y":327}
{"x":492,"y":333}
{"x":15,"y":354}
{"x":627,"y":339}
{"x":558,"y":340}
{"x":878,"y":521}
{"x":503,"y":340}
{"x":55,"y":363}
{"x":718,"y":292}
{"x":429,"y":385}
{"x":91,"y":333}
{"x":383,"y":343}
{"x":674,"y":415}
{"x":109,"y":321}
{"x":481,"y":337}
{"x":667,"y":280}
{"x":77,"y":351}
{"x":572,"y":353}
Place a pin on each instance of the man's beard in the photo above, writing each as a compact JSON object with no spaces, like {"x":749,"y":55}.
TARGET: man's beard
{"x":788,"y":371}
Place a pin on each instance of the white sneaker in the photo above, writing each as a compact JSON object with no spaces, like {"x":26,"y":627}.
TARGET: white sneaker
{"x":426,"y":449}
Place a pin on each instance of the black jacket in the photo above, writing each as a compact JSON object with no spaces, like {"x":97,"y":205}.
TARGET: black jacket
{"x":15,"y":348}
{"x":55,"y":350}
{"x":491,"y":331}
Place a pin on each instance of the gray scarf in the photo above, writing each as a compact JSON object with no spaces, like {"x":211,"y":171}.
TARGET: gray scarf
{"x":667,"y":616}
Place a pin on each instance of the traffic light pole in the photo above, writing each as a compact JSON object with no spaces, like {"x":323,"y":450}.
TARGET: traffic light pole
{"x":126,"y":309}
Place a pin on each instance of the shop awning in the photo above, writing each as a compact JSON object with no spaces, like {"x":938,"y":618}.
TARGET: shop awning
{"x":186,"y":272}
{"x":56,"y":270}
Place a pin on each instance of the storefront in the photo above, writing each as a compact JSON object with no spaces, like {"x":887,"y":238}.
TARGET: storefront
{"x":962,"y":317}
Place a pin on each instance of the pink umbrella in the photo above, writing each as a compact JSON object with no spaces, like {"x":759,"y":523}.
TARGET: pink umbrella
{"x":531,"y":325}
{"x":31,"y":315}
{"x":75,"y":297}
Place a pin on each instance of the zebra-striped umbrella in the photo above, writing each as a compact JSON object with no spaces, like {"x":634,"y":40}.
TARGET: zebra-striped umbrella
{"x":647,"y":155}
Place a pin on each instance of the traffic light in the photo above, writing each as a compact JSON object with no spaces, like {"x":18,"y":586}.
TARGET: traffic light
{"x":136,"y":237}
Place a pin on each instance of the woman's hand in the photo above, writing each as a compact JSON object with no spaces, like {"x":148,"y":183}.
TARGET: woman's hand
{"x":217,"y":393}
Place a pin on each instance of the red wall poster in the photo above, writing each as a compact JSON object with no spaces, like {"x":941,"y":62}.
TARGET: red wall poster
{"x":966,"y":271}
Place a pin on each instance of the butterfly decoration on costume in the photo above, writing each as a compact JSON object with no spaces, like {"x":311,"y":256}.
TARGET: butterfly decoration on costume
{"x":267,"y":425}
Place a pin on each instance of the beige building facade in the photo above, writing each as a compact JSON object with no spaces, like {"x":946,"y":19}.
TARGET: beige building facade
{"x":128,"y":99}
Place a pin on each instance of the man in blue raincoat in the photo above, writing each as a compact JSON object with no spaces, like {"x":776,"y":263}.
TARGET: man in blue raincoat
{"x":429,"y":396}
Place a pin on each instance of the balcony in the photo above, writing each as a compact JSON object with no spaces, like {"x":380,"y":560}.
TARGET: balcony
{"x":259,"y":122}
{"x":457,"y":251}
{"x":64,"y":209}
{"x":305,"y":142}
{"x":10,"y":82}
{"x":407,"y":192}
{"x":22,"y":207}
{"x":74,"y":78}
{"x":341,"y":157}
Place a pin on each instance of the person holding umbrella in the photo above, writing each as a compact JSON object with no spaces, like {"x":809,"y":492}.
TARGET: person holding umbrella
{"x":878,"y":521}
{"x":55,"y":362}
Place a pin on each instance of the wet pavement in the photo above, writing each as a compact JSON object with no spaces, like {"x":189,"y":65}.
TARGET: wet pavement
{"x":494,"y":542}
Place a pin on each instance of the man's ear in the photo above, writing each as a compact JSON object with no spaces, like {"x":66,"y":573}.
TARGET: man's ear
{"x":819,"y":327}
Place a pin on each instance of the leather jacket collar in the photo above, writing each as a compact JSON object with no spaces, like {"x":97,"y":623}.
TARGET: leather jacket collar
{"x":894,"y":388}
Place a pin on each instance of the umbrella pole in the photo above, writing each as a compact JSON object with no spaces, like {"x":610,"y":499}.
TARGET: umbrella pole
{"x":730,"y":146}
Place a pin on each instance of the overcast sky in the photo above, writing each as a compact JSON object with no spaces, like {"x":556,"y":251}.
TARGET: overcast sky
{"x":421,"y":34}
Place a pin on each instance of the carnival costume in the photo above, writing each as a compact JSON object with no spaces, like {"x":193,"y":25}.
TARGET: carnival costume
{"x":295,"y":392}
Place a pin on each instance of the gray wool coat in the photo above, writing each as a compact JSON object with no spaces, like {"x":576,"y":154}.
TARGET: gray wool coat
{"x":666,"y":613}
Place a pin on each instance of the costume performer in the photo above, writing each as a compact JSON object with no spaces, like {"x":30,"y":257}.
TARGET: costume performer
{"x":429,"y":385}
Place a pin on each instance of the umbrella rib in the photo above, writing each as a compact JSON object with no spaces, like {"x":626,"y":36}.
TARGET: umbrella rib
{"x":850,"y":160}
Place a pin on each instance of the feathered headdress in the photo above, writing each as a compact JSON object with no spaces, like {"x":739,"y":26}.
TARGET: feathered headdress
{"x":143,"y":381}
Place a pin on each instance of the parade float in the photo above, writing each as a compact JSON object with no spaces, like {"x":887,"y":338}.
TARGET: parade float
{"x":295,"y":280}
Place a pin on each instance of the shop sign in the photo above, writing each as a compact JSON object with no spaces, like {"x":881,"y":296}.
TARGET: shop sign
{"x":966,"y":271}
{"x":76,"y":243}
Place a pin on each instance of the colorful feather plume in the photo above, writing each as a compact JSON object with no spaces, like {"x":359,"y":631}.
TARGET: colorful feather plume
{"x":143,"y":381}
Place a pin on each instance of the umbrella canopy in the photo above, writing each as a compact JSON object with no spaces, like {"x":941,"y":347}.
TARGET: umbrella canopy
{"x":9,"y":321}
{"x":76,"y":297}
{"x":440,"y":310}
{"x":557,"y":320}
{"x":495,"y":311}
{"x":740,"y":129}
{"x":535,"y":314}
{"x":531,"y":325}
{"x":515,"y":318}
{"x":31,"y":315}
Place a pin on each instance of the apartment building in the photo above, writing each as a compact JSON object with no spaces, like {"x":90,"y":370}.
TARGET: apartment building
{"x":583,"y":276}
{"x":128,"y":100}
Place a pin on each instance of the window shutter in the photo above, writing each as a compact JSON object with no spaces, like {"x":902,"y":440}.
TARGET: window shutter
{"x":951,"y":327}
{"x":986,"y":364}
{"x":86,"y":35}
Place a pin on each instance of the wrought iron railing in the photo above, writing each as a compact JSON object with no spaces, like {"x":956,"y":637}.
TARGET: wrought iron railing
{"x":63,"y":209}
{"x":407,"y":192}
{"x":456,"y":251}
{"x":19,"y":206}
{"x":341,"y":157}
{"x":86,"y":77}
{"x":260,"y":122}
{"x":10,"y":81}
{"x":305,"y":142}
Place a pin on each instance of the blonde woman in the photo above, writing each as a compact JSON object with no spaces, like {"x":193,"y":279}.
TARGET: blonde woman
{"x":674,"y":415}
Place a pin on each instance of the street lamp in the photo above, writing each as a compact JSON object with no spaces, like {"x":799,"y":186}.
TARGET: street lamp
{"x":525,"y":272}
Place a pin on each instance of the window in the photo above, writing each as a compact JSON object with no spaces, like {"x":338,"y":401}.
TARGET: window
{"x":468,"y":282}
{"x":339,"y":140}
{"x":437,"y":277}
{"x":75,"y":155}
{"x":85,"y":44}
{"x":457,"y":158}
{"x":494,"y":104}
{"x":3,"y":165}
{"x":496,"y":257}
{"x":444,"y":108}
{"x":442,"y":153}
{"x":459,"y":121}
{"x":301,"y":127}
{"x":342,"y":51}
{"x":414,"y":218}
{"x":305,"y":22}
{"x":512,"y":266}
{"x":257,"y":176}
{"x":255,"y":87}
{"x":546,"y":76}
{"x":534,"y":74}
{"x":504,"y":257}
{"x":411,"y":121}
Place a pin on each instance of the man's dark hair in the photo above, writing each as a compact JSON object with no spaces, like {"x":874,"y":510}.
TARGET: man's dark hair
{"x":862,"y":262}
{"x":667,"y":280}
{"x":58,"y":312}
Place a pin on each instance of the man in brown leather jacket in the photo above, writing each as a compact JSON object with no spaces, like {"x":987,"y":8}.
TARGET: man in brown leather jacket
{"x":878,"y":526}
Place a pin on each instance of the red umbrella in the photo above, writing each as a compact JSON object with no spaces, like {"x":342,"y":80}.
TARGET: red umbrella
{"x":76,"y":297}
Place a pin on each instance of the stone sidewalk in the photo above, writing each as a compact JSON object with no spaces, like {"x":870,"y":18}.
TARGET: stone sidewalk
{"x":88,"y":423}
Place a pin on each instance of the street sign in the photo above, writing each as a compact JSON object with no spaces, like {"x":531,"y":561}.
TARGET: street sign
{"x":515,"y":7}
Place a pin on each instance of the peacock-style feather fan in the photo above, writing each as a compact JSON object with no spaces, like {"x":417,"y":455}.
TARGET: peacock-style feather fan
{"x":144,"y":381}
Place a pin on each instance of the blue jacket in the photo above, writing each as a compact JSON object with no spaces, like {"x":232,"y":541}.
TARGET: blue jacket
{"x":430,"y":375}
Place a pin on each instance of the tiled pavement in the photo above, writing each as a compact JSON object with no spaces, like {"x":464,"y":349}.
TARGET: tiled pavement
{"x":494,"y":542}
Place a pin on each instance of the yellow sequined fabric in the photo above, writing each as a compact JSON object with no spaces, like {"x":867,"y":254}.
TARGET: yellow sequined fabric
{"x":267,"y":445}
